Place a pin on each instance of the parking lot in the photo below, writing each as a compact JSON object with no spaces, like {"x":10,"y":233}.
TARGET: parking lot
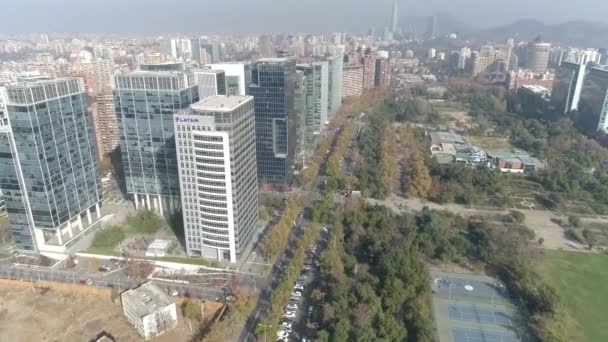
{"x":300,"y":312}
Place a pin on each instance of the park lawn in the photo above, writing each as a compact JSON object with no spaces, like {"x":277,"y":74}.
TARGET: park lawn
{"x":580,"y":279}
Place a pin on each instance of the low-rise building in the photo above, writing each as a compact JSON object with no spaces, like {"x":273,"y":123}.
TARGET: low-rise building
{"x":446,"y":142}
{"x":150,"y":310}
{"x":515,"y":162}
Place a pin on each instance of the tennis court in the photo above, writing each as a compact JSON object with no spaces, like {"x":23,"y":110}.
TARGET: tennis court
{"x":478,"y":335}
{"x":474,"y":308}
{"x":474,"y":313}
{"x":471,"y":289}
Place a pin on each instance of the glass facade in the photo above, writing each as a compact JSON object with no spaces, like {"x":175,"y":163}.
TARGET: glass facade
{"x":48,"y":173}
{"x":145,"y":103}
{"x":336,"y":64}
{"x":272,"y":86}
{"x":593,"y":97}
{"x":567,"y":85}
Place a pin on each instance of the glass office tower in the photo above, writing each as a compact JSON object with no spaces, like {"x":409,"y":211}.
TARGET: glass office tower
{"x":145,"y":103}
{"x":272,"y":86}
{"x":48,"y":172}
{"x":594,"y":97}
{"x":567,"y":86}
{"x":336,"y":65}
{"x":317,"y":90}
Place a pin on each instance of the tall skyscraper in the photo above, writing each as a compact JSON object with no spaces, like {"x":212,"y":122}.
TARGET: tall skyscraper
{"x":369,"y":68}
{"x":395,"y":18}
{"x":238,"y":76}
{"x":537,"y":58}
{"x":210,"y":82}
{"x":266,"y":46}
{"x":317,"y":88}
{"x":218,"y":176}
{"x":170,"y":47}
{"x":272,"y":86}
{"x":352,"y":81}
{"x":104,"y":123}
{"x":212,"y":52}
{"x":103,"y":71}
{"x":431,"y":28}
{"x":48,"y":173}
{"x":145,"y":103}
{"x":336,"y":65}
{"x":594,"y":96}
{"x":195,"y":45}
{"x":383,"y":73}
{"x":300,"y":94}
{"x":567,"y":86}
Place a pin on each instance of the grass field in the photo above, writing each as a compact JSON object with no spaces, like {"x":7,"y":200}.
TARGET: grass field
{"x":580,"y":279}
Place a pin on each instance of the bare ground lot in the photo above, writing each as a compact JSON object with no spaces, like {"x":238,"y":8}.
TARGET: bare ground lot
{"x":59,"y":315}
{"x":490,"y":143}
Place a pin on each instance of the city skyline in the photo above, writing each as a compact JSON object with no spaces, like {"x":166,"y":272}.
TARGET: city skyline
{"x":143,"y":17}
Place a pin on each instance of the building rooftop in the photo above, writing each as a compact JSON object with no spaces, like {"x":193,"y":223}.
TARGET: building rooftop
{"x":146,"y":299}
{"x":208,"y":71}
{"x":274,"y":60}
{"x":220,"y":103}
{"x":446,"y":137}
{"x":38,"y":81}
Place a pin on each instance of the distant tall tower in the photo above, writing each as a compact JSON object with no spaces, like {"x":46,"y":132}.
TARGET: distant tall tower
{"x":395,"y":20}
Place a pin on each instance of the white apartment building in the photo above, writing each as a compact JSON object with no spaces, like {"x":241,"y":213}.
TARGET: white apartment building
{"x":216,"y":156}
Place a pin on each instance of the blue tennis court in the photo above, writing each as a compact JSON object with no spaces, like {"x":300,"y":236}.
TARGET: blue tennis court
{"x":452,"y":288}
{"x":477,"y":335}
{"x":474,"y":313}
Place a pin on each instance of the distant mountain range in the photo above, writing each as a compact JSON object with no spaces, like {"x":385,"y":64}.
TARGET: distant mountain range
{"x":573,"y":33}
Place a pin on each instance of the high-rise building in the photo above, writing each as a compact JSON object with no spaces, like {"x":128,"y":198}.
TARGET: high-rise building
{"x":272,"y":86}
{"x":170,"y":47}
{"x":210,"y":82}
{"x":212,"y":52}
{"x":482,"y":59}
{"x":567,"y":86}
{"x":594,"y":96}
{"x":383,"y":73}
{"x":431,"y":29}
{"x":336,"y":64}
{"x":352,"y":81}
{"x":266,"y":46}
{"x":395,"y":18}
{"x":317,"y":88}
{"x":145,"y":103}
{"x":48,"y":173}
{"x":216,"y":153}
{"x":104,"y":123}
{"x":103,"y":71}
{"x":300,"y":93}
{"x":537,"y":56}
{"x":369,"y":69}
{"x":195,"y":45}
{"x":238,"y":76}
{"x":431,"y":53}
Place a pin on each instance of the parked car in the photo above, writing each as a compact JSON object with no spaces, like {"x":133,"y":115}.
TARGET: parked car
{"x":296,"y":294}
{"x":309,"y":312}
{"x":104,"y":268}
{"x":286,"y":324}
{"x":290,"y":314}
{"x":292,"y":306}
{"x":298,"y":287}
{"x":89,"y":282}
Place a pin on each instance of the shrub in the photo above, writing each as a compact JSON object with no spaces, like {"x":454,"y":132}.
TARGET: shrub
{"x":108,"y":238}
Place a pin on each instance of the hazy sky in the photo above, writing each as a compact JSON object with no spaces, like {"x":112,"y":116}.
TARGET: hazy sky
{"x":215,"y":16}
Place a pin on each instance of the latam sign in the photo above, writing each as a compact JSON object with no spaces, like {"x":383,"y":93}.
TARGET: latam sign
{"x":185,"y":119}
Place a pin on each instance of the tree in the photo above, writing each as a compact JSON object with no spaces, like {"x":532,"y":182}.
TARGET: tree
{"x":419,"y":178}
{"x":590,"y":237}
{"x":574,"y":221}
{"x":541,"y":241}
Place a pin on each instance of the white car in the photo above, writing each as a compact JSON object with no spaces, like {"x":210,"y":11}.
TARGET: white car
{"x":292,"y":306}
{"x":296,"y":294}
{"x":282,"y":334}
{"x":290,"y":314}
{"x":286,"y":325}
{"x":298,"y":287}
